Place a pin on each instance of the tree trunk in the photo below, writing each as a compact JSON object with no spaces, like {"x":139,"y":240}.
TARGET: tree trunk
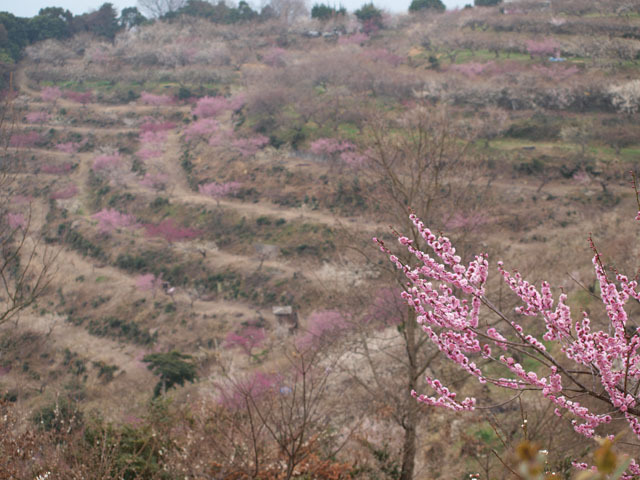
{"x":411,"y":419}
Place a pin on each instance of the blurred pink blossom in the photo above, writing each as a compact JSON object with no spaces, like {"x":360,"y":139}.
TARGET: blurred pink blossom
{"x":16,"y":220}
{"x":64,"y":194}
{"x":37,"y":117}
{"x":50,"y":94}
{"x":110,"y":219}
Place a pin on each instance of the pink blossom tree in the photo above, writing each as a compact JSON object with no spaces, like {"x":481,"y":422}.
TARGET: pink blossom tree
{"x":600,"y":363}
{"x":80,"y":97}
{"x":542,"y":48}
{"x":58,"y":169}
{"x":201,"y":129}
{"x":219,"y":190}
{"x":37,"y":117}
{"x":50,"y":94}
{"x":16,"y":220}
{"x":155,"y":181}
{"x":64,"y":194}
{"x":148,"y":283}
{"x":110,"y":219}
{"x":275,"y":57}
{"x":170,"y":231}
{"x":157,"y":100}
{"x":246,"y":339}
{"x":68,"y":147}
{"x":25,"y":140}
{"x":323,"y":326}
{"x":207,"y":107}
{"x":151,"y":125}
{"x":249,"y":146}
{"x":472,"y":69}
{"x":103,"y":163}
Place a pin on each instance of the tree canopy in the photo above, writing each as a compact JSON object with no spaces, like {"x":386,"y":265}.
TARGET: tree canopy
{"x":419,"y":5}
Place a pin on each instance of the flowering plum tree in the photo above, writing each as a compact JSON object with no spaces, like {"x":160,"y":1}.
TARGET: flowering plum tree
{"x":25,"y":140}
{"x":601,"y":364}
{"x":156,"y":181}
{"x":171,"y":232}
{"x":16,"y":220}
{"x":68,"y":147}
{"x":57,"y":169}
{"x":207,"y":107}
{"x":199,"y":129}
{"x":50,"y":94}
{"x":249,"y":146}
{"x":246,"y":339}
{"x":37,"y":117}
{"x":151,"y":125}
{"x":80,"y":97}
{"x":106,"y":162}
{"x":110,"y":219}
{"x":148,"y":282}
{"x":544,"y":47}
{"x":219,"y":190}
{"x":156,"y":100}
{"x":64,"y":194}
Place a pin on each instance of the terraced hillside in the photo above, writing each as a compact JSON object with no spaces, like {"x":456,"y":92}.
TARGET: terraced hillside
{"x":191,"y":178}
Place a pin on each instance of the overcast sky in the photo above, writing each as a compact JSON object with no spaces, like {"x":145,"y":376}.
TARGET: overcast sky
{"x":29,"y":8}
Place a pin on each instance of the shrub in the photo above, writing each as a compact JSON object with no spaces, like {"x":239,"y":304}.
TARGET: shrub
{"x":173,"y":368}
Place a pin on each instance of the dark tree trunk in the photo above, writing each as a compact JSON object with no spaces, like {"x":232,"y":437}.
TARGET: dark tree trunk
{"x":411,"y":419}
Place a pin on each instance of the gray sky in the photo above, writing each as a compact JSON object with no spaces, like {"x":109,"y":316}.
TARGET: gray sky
{"x":29,"y":8}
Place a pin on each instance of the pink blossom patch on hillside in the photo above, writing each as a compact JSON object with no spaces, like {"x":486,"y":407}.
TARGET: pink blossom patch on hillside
{"x":16,"y":220}
{"x":170,"y":231}
{"x":37,"y":117}
{"x":156,"y":100}
{"x":106,"y":162}
{"x":65,"y":193}
{"x":26,"y":140}
{"x":50,"y":94}
{"x":57,"y":169}
{"x":110,"y":219}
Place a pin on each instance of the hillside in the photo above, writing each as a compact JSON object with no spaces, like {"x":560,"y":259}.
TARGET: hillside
{"x":188,"y":179}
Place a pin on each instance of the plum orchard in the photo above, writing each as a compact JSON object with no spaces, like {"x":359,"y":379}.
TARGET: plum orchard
{"x":604,"y":365}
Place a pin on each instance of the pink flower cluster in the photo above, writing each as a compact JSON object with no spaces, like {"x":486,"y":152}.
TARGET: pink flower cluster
{"x":156,"y":181}
{"x":548,"y":46}
{"x":219,"y":190}
{"x":37,"y":117}
{"x":157,"y":100}
{"x":322,"y":326}
{"x":148,"y":282}
{"x":25,"y":140}
{"x":50,"y":94}
{"x":334,"y":149}
{"x":208,"y":107}
{"x":249,"y":146}
{"x":556,"y":72}
{"x":79,"y":97}
{"x":275,"y":57}
{"x":110,"y":219}
{"x":57,"y":169}
{"x":68,"y":147}
{"x":170,"y":231}
{"x":203,"y":128}
{"x":246,"y":339}
{"x":16,"y":220}
{"x":106,"y":162}
{"x":447,"y":297}
{"x":64,"y":194}
{"x":472,"y":69}
{"x":151,"y":125}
